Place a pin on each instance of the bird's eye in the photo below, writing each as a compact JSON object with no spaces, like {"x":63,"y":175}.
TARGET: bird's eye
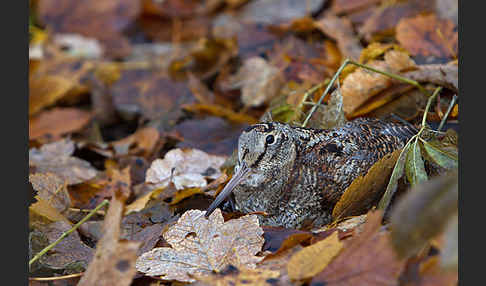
{"x":270,"y":139}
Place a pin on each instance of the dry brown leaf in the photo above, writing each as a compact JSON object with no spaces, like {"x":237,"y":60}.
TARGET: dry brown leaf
{"x":232,"y":276}
{"x":187,"y":167}
{"x":347,"y":6}
{"x":141,"y":142}
{"x":52,"y":190}
{"x":424,"y":213}
{"x":44,"y":210}
{"x":366,"y":259}
{"x":55,"y":79}
{"x":314,"y":258}
{"x":57,"y":122}
{"x":367,"y":189}
{"x":428,"y":35}
{"x":445,"y":75}
{"x":114,"y":260}
{"x":341,"y":29}
{"x":71,"y":252}
{"x":104,"y":21}
{"x":56,"y":158}
{"x":201,"y":245}
{"x":361,"y":85}
{"x":259,"y":81}
{"x":384,"y":19}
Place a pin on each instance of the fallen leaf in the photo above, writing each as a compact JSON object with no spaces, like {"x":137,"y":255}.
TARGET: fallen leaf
{"x":314,"y":258}
{"x":151,"y":94}
{"x":232,"y":276}
{"x":442,"y":74}
{"x":179,"y":9}
{"x":200,"y":246}
{"x":86,"y":18}
{"x":427,"y":35}
{"x":223,"y":139}
{"x":56,"y":122}
{"x":69,"y":253}
{"x":44,"y":210}
{"x":52,"y":190}
{"x":56,"y":158}
{"x":449,"y":254}
{"x":385,"y":18}
{"x":366,"y":259}
{"x":361,"y":85}
{"x":423,"y":213}
{"x":142,"y":142}
{"x":414,"y":164}
{"x":220,"y":111}
{"x":347,"y":6}
{"x":114,"y":260}
{"x":187,"y":168}
{"x":277,"y":11}
{"x":365,"y":190}
{"x":79,"y":46}
{"x":56,"y":79}
{"x":341,"y":29}
{"x":259,"y":81}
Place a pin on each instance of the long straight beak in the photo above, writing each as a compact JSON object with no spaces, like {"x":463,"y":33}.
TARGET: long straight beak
{"x":241,"y":174}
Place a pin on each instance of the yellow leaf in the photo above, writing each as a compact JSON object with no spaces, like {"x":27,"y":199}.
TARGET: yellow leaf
{"x":313,"y":259}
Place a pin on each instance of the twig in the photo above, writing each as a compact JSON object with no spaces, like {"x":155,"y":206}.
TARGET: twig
{"x":338,"y":72}
{"x":56,"y":277}
{"x":449,"y":109}
{"x":66,"y":233}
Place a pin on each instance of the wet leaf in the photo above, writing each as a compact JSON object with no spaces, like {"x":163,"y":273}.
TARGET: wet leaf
{"x":423,"y":213}
{"x":414,"y":165}
{"x":314,"y":258}
{"x":427,"y":35}
{"x":56,"y":158}
{"x":187,"y":167}
{"x":56,"y":122}
{"x":52,"y":190}
{"x":442,"y":155}
{"x":114,"y":260}
{"x":200,"y":246}
{"x":366,"y":259}
{"x":365,"y":190}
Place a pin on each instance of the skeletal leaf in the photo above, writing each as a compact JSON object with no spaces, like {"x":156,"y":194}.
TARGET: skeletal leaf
{"x":314,"y":258}
{"x":397,"y":173}
{"x":414,"y":167}
{"x":423,"y":213}
{"x":440,"y":155}
{"x":201,"y":246}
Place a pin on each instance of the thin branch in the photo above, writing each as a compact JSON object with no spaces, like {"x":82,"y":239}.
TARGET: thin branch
{"x":449,"y":109}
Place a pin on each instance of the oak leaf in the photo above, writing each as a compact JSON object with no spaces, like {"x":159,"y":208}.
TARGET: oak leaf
{"x":201,"y":246}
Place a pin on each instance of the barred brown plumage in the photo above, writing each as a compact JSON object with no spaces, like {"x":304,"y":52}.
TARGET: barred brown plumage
{"x":299,"y":174}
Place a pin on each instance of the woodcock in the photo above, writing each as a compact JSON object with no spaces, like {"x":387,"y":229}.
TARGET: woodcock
{"x":297,"y":175}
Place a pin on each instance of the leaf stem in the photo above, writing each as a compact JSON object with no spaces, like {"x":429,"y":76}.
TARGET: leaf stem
{"x":449,"y":109}
{"x":66,"y":233}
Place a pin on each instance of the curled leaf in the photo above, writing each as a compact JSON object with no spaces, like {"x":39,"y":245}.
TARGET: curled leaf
{"x":443,"y":157}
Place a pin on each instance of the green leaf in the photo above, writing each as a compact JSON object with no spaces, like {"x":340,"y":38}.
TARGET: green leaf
{"x":414,"y":166}
{"x":397,"y":173}
{"x":440,"y":154}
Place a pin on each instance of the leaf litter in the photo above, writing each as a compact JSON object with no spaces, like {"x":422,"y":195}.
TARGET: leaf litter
{"x":147,"y":112}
